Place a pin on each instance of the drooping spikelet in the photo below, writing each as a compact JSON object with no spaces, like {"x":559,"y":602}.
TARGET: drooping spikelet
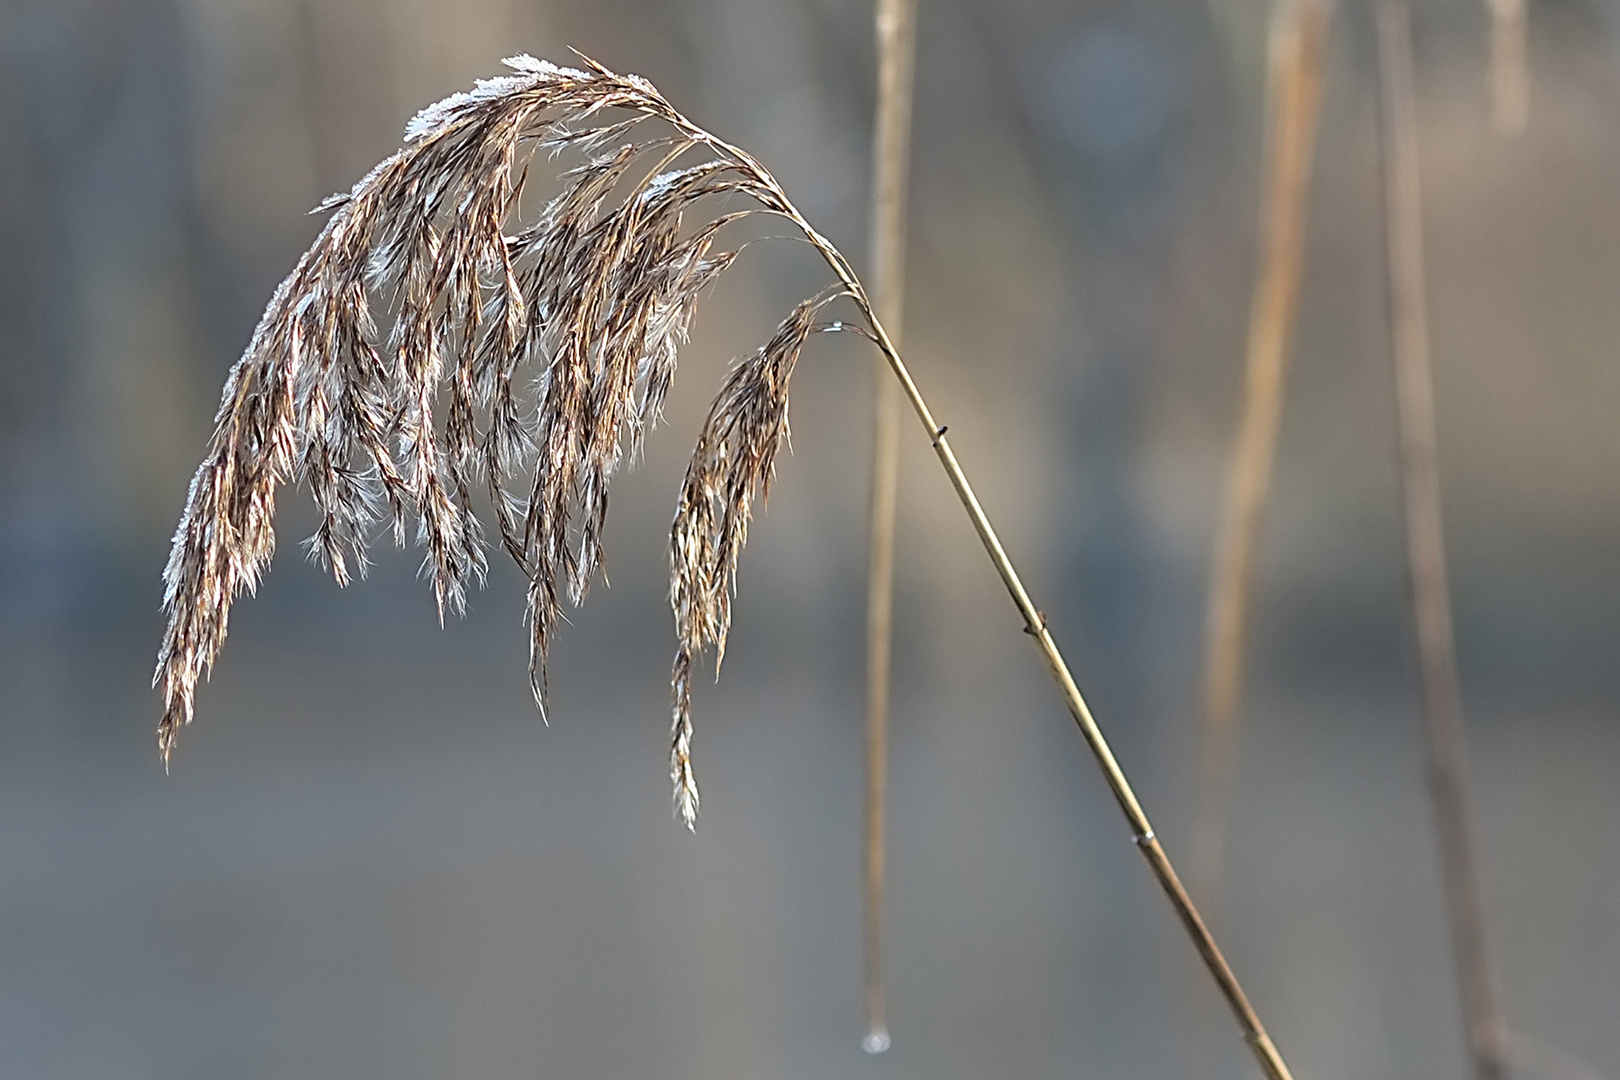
{"x":595,"y":295}
{"x":734,"y":461}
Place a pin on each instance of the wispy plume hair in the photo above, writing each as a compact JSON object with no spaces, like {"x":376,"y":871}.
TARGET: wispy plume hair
{"x":595,"y":295}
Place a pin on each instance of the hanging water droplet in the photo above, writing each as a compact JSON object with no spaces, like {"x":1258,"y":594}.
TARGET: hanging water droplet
{"x":876,"y":1041}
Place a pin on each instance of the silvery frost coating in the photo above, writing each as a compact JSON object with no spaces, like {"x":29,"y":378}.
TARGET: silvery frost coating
{"x":594,"y":296}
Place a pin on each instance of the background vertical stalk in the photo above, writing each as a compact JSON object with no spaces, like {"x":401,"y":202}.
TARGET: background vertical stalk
{"x":896,"y":60}
{"x":1420,"y":482}
{"x":1295,"y":58}
{"x":1510,"y":76}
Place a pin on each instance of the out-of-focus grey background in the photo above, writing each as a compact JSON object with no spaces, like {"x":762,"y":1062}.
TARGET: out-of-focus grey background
{"x":372,"y":860}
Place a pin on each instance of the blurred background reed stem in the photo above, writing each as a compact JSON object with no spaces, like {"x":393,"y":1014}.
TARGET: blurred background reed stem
{"x":1296,"y":48}
{"x":1425,"y":544}
{"x":891,"y":166}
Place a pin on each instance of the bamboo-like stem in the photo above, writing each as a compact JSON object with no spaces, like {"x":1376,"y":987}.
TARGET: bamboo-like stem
{"x":891,"y":159}
{"x":1297,"y":43}
{"x":1431,"y":601}
{"x":1510,"y":77}
{"x":1142,"y":833}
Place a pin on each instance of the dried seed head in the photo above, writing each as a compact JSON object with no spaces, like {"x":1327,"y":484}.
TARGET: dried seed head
{"x":733,"y":464}
{"x":596,"y":294}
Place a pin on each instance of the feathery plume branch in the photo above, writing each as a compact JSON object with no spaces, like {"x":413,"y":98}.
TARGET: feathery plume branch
{"x":597,"y":294}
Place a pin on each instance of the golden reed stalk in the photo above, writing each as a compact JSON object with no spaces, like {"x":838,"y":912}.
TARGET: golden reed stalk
{"x":891,"y":161}
{"x":1425,"y":543}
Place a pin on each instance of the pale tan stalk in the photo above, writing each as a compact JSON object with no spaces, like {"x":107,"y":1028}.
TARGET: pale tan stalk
{"x":891,"y":159}
{"x":1510,"y":76}
{"x":1298,"y":41}
{"x":1425,"y":541}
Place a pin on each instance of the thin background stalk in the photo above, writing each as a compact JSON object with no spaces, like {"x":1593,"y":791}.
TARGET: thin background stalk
{"x":1425,"y":540}
{"x":1295,"y":57}
{"x":891,"y":160}
{"x":1510,"y":77}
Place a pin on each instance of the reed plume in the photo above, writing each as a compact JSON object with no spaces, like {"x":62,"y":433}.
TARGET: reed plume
{"x":597,"y":294}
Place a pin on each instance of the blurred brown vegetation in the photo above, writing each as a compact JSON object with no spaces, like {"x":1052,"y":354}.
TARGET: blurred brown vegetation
{"x":372,"y":859}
